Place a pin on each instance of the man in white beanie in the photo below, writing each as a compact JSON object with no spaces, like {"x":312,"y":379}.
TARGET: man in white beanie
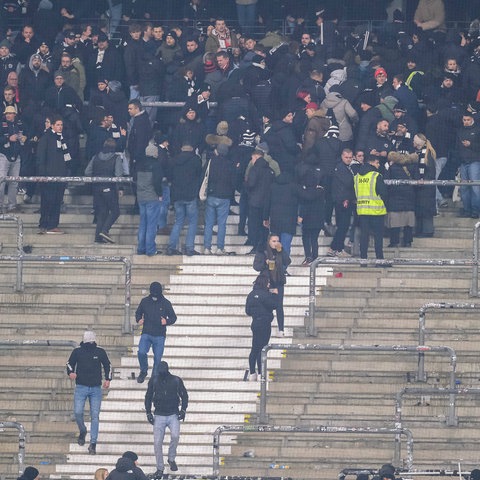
{"x":85,"y":367}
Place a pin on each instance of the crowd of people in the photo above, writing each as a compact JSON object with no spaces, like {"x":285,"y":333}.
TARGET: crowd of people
{"x":285,"y":118}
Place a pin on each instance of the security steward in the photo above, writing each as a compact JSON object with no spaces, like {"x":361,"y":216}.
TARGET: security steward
{"x":371,"y":193}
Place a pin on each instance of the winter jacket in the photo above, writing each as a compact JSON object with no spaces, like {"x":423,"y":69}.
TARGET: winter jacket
{"x":282,"y":145}
{"x":282,"y":205}
{"x":342,"y":184}
{"x":152,"y":309}
{"x":125,"y":469}
{"x":87,"y":361}
{"x":317,"y":127}
{"x":139,"y":136}
{"x":258,"y":183}
{"x":188,"y":131}
{"x":166,"y":393}
{"x":401,"y":198}
{"x":104,"y":165}
{"x":471,"y":153}
{"x":277,"y":276}
{"x":186,"y":176}
{"x":221,"y":178}
{"x":260,"y":305}
{"x":149,"y":176}
{"x":345,"y":114}
{"x":50,"y":158}
{"x":327,"y":151}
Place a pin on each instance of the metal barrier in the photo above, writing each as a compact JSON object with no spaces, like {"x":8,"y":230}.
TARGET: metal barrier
{"x":476,"y":247}
{"x":421,"y":326}
{"x":39,"y":343}
{"x":19,"y":221}
{"x":67,"y":179}
{"x":406,"y":474}
{"x":451,"y":419}
{"x":319,"y":429}
{"x":21,"y":442}
{"x":126,"y":327}
{"x":450,"y":262}
{"x":263,"y":417}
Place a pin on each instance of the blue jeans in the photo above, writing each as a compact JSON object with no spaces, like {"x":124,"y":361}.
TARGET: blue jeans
{"x":184,"y":211}
{"x":439,"y":164}
{"x":115,"y":12}
{"x":286,"y":241}
{"x":164,"y":204}
{"x":94,"y":395}
{"x":470,"y":194}
{"x":216,"y":208}
{"x":146,"y":341}
{"x":159,"y":427}
{"x":246,"y":17}
{"x":134,"y":92}
{"x":151,"y":111}
{"x":147,"y":230}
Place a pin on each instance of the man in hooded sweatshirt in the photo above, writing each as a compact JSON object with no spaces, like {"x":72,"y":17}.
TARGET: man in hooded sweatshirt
{"x":166,"y":392}
{"x":85,"y":367}
{"x":154,"y":313}
{"x":107,"y":163}
{"x":127,"y":468}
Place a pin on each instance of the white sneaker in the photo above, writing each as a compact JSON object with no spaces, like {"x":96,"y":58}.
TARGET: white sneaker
{"x":207,"y":251}
{"x":343,"y":254}
{"x":253,"y":377}
{"x":331,"y":253}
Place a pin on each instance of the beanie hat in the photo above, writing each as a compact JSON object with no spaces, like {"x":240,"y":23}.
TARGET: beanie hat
{"x":45,"y":5}
{"x":35,"y":56}
{"x":156,"y":289}
{"x":5,"y":43}
{"x":131,"y":455}
{"x":58,"y":73}
{"x":248,"y":138}
{"x":302,"y":94}
{"x":379,"y":71}
{"x":222,"y":128}
{"x":102,"y":37}
{"x":311,"y":105}
{"x":88,"y":337}
{"x":159,"y":138}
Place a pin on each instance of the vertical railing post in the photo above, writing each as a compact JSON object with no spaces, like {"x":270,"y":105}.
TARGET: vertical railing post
{"x":127,"y":326}
{"x":263,"y":417}
{"x":474,"y":285}
{"x":311,"y":330}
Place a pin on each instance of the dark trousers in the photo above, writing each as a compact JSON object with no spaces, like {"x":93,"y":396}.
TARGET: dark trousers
{"x":243,"y":211}
{"x":310,"y":242}
{"x":374,"y":224}
{"x":261,"y":331}
{"x":327,"y":184}
{"x":279,"y":310}
{"x":342,"y":219}
{"x":395,"y":235}
{"x":107,"y":210}
{"x":50,"y":204}
{"x":257,"y":233}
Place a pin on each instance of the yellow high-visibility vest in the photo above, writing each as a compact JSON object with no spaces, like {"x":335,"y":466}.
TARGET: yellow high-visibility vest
{"x":368,"y":202}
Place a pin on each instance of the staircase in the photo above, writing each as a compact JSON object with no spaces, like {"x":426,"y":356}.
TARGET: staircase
{"x":209,"y":345}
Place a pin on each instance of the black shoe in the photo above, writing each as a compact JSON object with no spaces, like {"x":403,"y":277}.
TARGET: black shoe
{"x":173,"y":251}
{"x":158,"y":252}
{"x":407,"y":244}
{"x":191,"y":253}
{"x":392,"y":245}
{"x":172,"y":465}
{"x":81,"y":438}
{"x":157,"y":475}
{"x":248,"y":242}
{"x":101,"y":240}
{"x":106,"y":237}
{"x":141,"y":378}
{"x":253,"y":251}
{"x":92,"y":449}
{"x":241,"y":232}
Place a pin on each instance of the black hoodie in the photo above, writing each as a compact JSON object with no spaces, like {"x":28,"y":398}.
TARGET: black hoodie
{"x":125,"y":469}
{"x":152,"y":309}
{"x":86,"y":361}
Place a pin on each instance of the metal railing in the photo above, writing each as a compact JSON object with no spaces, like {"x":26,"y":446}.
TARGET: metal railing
{"x":421,"y":326}
{"x":405,"y":474}
{"x":318,"y":429}
{"x":476,"y":247}
{"x":21,"y":442}
{"x":60,"y":259}
{"x":450,"y":262}
{"x":263,"y":417}
{"x":450,"y":419}
{"x":19,"y":221}
{"x":76,"y":179}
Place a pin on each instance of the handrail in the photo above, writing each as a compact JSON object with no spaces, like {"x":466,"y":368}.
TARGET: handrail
{"x":318,"y":429}
{"x":448,"y":262}
{"x":126,"y":327}
{"x":19,"y":221}
{"x":263,"y":417}
{"x":39,"y":343}
{"x":65,"y":179}
{"x":451,"y":419}
{"x":21,"y":442}
{"x":476,"y":247}
{"x":421,"y":327}
{"x":411,"y":473}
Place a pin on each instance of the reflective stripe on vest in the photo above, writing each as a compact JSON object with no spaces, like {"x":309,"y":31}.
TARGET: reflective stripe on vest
{"x":368,"y":202}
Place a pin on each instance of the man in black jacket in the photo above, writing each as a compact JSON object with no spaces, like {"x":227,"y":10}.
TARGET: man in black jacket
{"x":221,"y":187}
{"x":154,"y":313}
{"x":165,"y":391}
{"x":344,"y":201}
{"x":186,"y":179}
{"x":85,"y":367}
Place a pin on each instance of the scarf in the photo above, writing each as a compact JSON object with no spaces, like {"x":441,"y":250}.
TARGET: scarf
{"x":223,"y":38}
{"x":424,"y":156}
{"x":61,"y":145}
